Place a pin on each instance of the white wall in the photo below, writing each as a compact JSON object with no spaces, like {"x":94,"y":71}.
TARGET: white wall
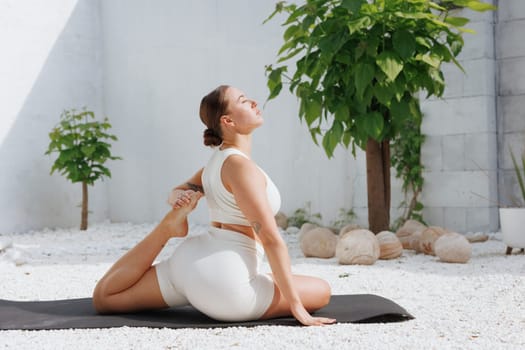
{"x":160,"y":60}
{"x":50,"y":61}
{"x":146,"y":65}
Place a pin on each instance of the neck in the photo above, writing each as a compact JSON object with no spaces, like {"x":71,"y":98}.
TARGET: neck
{"x":242,"y":142}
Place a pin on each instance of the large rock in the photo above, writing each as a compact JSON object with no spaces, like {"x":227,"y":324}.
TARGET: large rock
{"x":414,"y":241}
{"x":390,"y":246}
{"x":405,"y":232}
{"x":357,"y":247}
{"x":307,"y":226}
{"x":282,"y":220}
{"x":318,"y":242}
{"x":428,"y":238}
{"x":453,"y":247}
{"x":348,"y":228}
{"x":474,"y":237}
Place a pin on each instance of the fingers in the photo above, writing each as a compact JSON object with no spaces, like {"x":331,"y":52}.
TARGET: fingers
{"x":184,"y":198}
{"x":324,"y":320}
{"x":308,"y":320}
{"x":319,"y":321}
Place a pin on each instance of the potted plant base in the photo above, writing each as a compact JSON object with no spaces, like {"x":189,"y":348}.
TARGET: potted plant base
{"x":512,"y":222}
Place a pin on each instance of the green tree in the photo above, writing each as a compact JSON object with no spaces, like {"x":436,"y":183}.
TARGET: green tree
{"x":83,"y":148}
{"x":359,"y":66}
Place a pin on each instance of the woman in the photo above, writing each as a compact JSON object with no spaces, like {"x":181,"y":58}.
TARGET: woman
{"x":217,"y":272}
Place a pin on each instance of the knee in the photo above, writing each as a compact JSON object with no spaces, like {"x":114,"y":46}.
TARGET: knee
{"x":325,"y":292}
{"x":99,"y":299}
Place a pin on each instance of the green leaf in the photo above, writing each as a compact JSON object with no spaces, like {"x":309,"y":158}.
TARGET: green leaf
{"x":308,"y":21}
{"x":455,"y":43}
{"x":290,"y":54}
{"x":457,"y":21}
{"x":479,"y":6}
{"x":274,"y":82}
{"x":359,"y":24}
{"x":430,"y":59}
{"x":364,"y":73}
{"x":312,"y":110}
{"x":330,"y":44}
{"x":88,"y":150}
{"x":404,"y":43}
{"x":372,"y":124}
{"x":410,"y":15}
{"x":332,"y":137}
{"x":342,"y":113}
{"x":424,"y":42}
{"x":436,"y":6}
{"x":383,"y":93}
{"x":390,"y":64}
{"x":313,"y":133}
{"x":400,"y":109}
{"x":291,"y":31}
{"x":352,"y":5}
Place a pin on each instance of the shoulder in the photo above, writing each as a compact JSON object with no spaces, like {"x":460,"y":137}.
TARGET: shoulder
{"x":237,"y":162}
{"x":239,"y":169}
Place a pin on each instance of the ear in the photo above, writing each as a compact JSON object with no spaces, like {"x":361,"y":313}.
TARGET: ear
{"x":226,"y":120}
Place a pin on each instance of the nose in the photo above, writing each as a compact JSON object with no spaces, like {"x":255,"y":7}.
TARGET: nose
{"x":254,"y":103}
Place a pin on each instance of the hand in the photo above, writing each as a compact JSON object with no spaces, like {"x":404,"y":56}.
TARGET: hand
{"x":180,"y":198}
{"x":300,"y":313}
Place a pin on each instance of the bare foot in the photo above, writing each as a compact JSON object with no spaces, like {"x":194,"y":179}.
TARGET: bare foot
{"x":175,"y":222}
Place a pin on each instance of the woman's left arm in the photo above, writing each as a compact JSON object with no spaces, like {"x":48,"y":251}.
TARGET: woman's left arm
{"x":180,"y":195}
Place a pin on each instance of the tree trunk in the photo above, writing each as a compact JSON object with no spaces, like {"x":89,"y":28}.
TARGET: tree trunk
{"x":378,"y":184}
{"x":84,"y":217}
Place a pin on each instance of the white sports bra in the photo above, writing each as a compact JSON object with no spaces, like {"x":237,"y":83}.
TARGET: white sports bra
{"x":222,"y":205}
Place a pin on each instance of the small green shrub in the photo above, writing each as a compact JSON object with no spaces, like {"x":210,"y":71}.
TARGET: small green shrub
{"x":303,"y":215}
{"x":83,"y":147}
{"x":345,"y":217}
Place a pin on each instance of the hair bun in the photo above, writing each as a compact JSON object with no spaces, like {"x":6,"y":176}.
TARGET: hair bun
{"x":212,"y":138}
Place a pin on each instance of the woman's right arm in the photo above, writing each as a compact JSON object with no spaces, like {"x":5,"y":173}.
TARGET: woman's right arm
{"x":248,"y":186}
{"x":180,"y":195}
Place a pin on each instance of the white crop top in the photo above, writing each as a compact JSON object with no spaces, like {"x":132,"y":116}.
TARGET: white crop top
{"x":222,"y":205}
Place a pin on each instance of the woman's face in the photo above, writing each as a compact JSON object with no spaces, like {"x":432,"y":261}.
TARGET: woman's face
{"x":242,"y":111}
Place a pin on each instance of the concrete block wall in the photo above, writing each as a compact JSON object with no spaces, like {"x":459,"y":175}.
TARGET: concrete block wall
{"x":460,"y":152}
{"x":510,"y":51}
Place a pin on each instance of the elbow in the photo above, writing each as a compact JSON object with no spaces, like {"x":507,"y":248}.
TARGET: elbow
{"x":271,"y":239}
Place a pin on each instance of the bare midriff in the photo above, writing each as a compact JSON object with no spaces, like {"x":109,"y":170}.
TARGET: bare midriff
{"x":242,"y":229}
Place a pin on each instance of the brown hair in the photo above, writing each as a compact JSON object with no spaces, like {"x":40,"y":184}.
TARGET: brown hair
{"x":213,"y":106}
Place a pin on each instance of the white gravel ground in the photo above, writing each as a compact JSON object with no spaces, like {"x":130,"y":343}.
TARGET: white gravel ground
{"x":478,"y":305}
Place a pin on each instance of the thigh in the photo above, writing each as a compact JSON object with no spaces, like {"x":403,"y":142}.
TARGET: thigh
{"x":314,"y":293}
{"x":143,"y":295}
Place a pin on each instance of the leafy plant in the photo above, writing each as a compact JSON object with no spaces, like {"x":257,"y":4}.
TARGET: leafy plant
{"x":303,"y":215}
{"x":406,"y":160}
{"x":359,"y":67}
{"x":520,"y":173}
{"x":344,"y":217}
{"x":83,"y":148}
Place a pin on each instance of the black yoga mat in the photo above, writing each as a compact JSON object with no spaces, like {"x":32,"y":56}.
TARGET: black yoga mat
{"x":79,"y":313}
